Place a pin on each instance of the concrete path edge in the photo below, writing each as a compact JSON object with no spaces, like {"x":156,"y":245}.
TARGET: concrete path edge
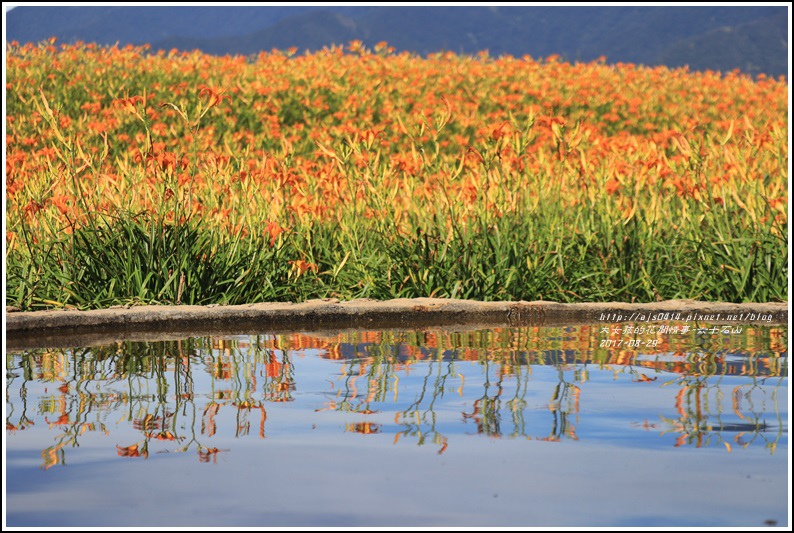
{"x":25,"y":330}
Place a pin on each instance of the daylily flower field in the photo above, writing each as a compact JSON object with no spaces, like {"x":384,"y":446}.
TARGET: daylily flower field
{"x":136,"y":177}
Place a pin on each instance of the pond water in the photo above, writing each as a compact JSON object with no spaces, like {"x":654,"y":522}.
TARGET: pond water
{"x":601,"y":425}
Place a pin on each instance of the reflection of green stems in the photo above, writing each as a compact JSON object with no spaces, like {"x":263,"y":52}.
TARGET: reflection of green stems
{"x":238,"y":424}
{"x":561,"y":406}
{"x":414,"y":407}
{"x":486,"y":408}
{"x":345,"y":404}
{"x":517,"y":404}
{"x":24,"y":422}
{"x":693,"y":421}
{"x":438,"y":388}
{"x":193,"y":438}
{"x":428,"y":416}
{"x":177,"y":399}
{"x":777,"y":413}
{"x":381,"y":370}
{"x":162,"y":382}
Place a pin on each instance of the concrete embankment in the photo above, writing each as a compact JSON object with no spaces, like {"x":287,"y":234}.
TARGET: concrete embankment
{"x":62,"y":328}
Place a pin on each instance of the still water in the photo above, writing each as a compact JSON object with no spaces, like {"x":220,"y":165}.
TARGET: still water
{"x":591,"y":425}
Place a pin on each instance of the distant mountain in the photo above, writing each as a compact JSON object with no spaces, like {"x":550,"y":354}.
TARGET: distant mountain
{"x":139,"y":25}
{"x":753,"y":39}
{"x":308,"y":31}
{"x":754,"y":48}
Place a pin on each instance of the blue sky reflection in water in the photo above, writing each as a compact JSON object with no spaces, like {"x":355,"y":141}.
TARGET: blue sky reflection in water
{"x":507,"y":427}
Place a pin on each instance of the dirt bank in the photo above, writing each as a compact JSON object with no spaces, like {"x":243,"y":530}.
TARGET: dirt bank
{"x":80,"y":328}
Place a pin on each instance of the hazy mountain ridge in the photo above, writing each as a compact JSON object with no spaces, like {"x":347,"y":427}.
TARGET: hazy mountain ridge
{"x":750,"y":47}
{"x":673,"y":36}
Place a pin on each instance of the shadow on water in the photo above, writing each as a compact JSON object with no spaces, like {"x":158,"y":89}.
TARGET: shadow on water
{"x":174,"y":394}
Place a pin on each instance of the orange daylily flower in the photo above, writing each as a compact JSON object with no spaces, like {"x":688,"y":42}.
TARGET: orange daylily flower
{"x":32,"y":208}
{"x":383,"y":46}
{"x":128,"y":104}
{"x":302,"y":266}
{"x":612,"y":186}
{"x":355,"y":46}
{"x":273,"y":230}
{"x":215,"y":96}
